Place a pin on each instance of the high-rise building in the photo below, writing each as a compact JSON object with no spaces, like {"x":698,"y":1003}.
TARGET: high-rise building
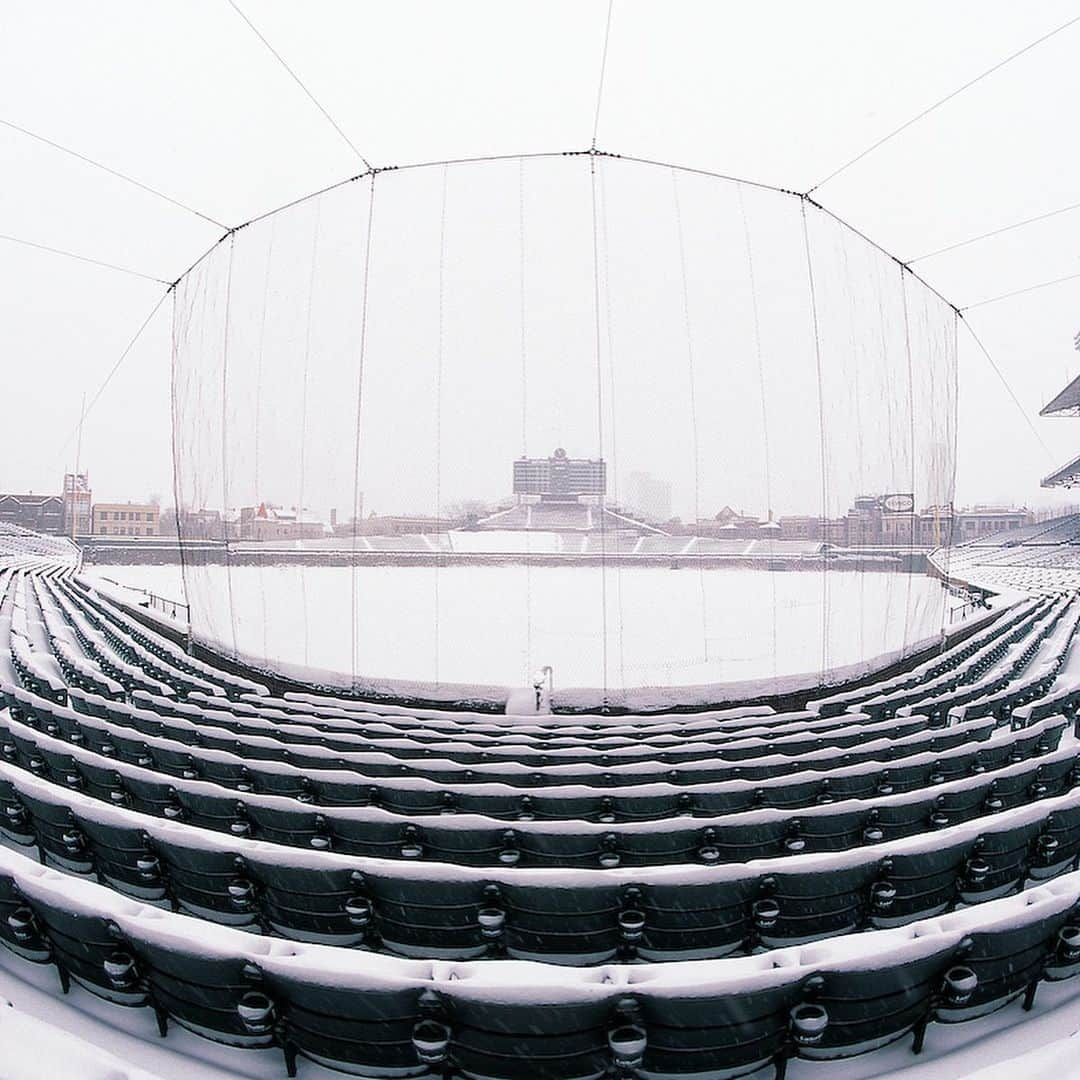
{"x":647,"y":496}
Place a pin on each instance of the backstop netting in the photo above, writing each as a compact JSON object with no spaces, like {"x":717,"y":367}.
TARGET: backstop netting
{"x":355,"y":376}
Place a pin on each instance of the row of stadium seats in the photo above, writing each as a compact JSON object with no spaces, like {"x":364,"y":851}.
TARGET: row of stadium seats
{"x":1026,"y":670}
{"x":974,"y":661}
{"x":425,"y":1018}
{"x":314,"y":892}
{"x":1063,"y":530}
{"x":168,"y":780}
{"x":130,"y":633}
{"x":919,"y":769}
{"x":284,"y":769}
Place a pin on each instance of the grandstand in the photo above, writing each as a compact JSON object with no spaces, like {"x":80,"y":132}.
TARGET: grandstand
{"x":566,"y":516}
{"x":17,"y":542}
{"x":1044,"y":557}
{"x":394,"y":891}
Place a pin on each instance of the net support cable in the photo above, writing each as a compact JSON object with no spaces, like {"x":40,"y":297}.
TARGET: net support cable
{"x":83,"y":258}
{"x":112,"y":172}
{"x":884,"y":251}
{"x":821,"y":430}
{"x":535,"y":156}
{"x":174,"y":369}
{"x":439,"y":358}
{"x":225,"y":442}
{"x":1005,"y":382}
{"x":304,"y":409}
{"x":85,"y":411}
{"x":614,"y":427}
{"x":258,"y":421}
{"x":759,"y":356}
{"x":373,"y":171}
{"x":299,"y":82}
{"x":995,"y":232}
{"x":942,"y":101}
{"x":362,"y":351}
{"x":1019,"y":292}
{"x":201,"y":294}
{"x":522,"y":318}
{"x":890,"y":425}
{"x":912,"y":452}
{"x":952,"y":480}
{"x":637,"y":160}
{"x":853,"y":339}
{"x":603,"y":72}
{"x":692,"y":384}
{"x":599,"y":424}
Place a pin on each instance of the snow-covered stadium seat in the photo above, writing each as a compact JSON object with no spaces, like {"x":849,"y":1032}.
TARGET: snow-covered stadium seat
{"x":688,"y":844}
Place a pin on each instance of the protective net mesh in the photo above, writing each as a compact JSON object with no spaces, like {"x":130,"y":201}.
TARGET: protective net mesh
{"x":355,"y":376}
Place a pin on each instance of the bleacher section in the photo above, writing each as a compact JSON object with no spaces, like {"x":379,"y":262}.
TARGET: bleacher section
{"x":421,"y":893}
{"x":19,"y":546}
{"x":1041,"y":558}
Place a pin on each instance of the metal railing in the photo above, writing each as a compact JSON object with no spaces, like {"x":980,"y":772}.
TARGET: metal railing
{"x":176,"y":610}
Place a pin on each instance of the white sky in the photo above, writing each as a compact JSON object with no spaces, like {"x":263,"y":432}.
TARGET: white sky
{"x":186,"y":99}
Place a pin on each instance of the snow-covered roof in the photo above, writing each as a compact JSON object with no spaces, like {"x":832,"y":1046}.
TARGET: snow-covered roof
{"x":1067,"y":403}
{"x":1067,"y":476}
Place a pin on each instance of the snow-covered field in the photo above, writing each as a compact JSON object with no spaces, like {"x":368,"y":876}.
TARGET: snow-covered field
{"x":497,"y":625}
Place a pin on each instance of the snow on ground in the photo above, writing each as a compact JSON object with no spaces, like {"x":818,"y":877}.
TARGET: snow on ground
{"x":497,"y":625}
{"x":44,"y":1036}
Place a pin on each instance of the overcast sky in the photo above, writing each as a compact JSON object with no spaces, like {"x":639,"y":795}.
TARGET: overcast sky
{"x":186,"y":99}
